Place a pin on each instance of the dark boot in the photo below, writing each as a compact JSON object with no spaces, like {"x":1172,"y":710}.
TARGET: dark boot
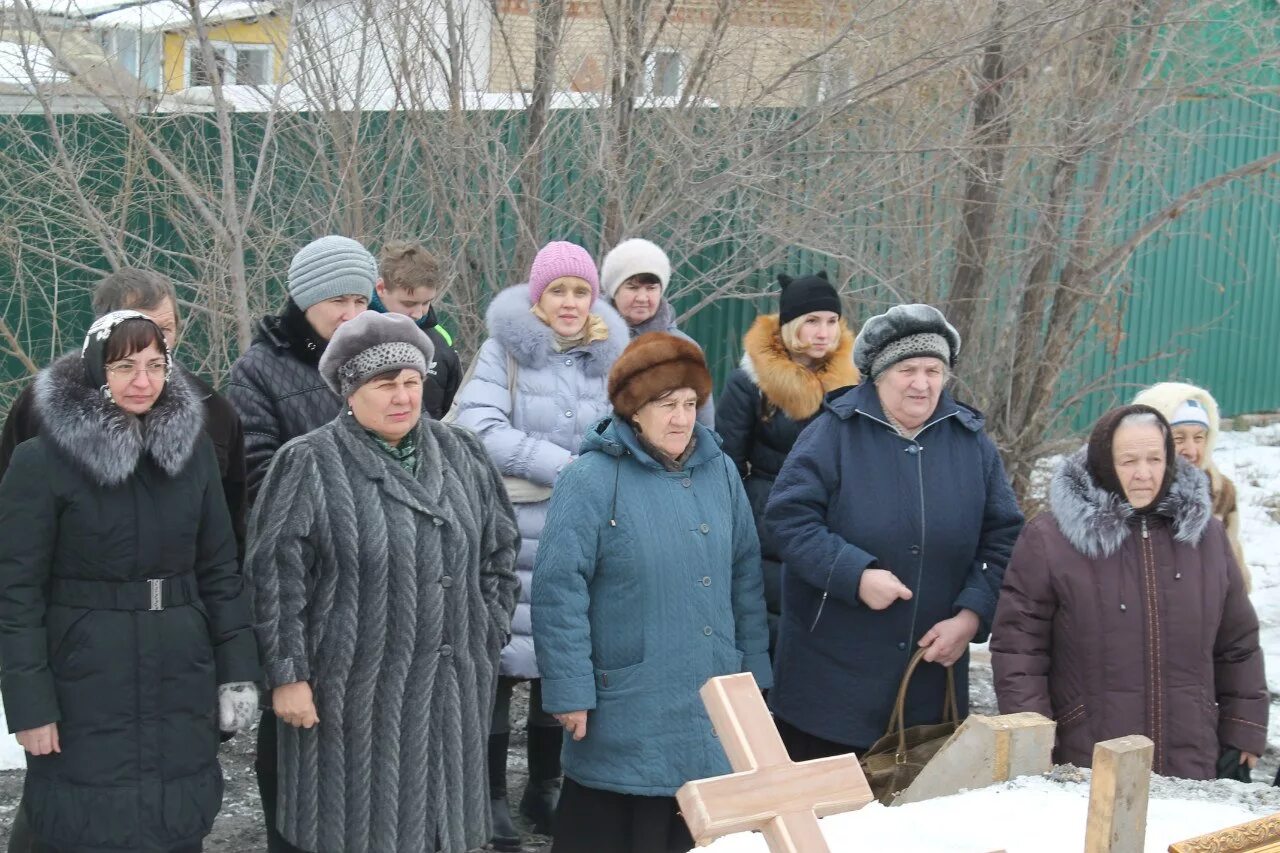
{"x":543,"y":792}
{"x":506,"y":837}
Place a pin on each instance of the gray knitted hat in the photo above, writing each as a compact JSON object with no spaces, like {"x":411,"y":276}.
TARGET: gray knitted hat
{"x":903,"y":332}
{"x":371,"y":344}
{"x":328,"y":267}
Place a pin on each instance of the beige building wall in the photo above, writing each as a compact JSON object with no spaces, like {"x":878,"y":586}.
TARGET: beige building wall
{"x":762,"y":44}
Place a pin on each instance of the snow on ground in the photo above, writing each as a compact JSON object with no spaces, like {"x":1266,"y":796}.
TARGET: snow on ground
{"x":1031,"y":815}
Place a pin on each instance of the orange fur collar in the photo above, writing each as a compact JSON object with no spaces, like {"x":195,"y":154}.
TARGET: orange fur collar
{"x":792,"y":387}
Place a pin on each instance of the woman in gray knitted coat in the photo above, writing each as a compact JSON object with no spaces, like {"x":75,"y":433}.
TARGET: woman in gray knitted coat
{"x":382,"y":560}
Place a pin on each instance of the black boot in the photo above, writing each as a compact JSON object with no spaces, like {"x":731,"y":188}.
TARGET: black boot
{"x":506,"y":837}
{"x":543,"y":792}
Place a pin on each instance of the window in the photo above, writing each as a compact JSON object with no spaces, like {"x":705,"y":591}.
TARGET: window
{"x":138,"y":52}
{"x":664,"y":74}
{"x":234,"y":64}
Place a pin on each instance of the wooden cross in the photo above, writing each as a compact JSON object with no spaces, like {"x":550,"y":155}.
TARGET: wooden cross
{"x":768,"y":792}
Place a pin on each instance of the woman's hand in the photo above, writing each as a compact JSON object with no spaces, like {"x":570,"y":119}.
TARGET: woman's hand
{"x":946,"y":642}
{"x":294,"y":704}
{"x":575,"y":723}
{"x":879,"y":588}
{"x":44,"y":740}
{"x":1248,"y":758}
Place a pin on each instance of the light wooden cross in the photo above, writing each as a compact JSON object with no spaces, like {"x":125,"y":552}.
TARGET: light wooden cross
{"x":768,"y":793}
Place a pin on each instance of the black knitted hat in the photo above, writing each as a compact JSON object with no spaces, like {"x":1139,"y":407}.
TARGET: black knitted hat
{"x":803,"y":295}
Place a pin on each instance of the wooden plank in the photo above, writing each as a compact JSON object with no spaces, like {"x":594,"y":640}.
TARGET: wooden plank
{"x":1118,"y":795}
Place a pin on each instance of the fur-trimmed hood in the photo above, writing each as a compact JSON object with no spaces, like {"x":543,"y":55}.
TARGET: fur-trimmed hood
{"x":1167,"y":397}
{"x":105,"y":441}
{"x":792,"y":387}
{"x":1097,"y":522}
{"x":531,"y":342}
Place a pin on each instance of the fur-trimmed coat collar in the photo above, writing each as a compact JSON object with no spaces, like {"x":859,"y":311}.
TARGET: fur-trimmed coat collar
{"x":102,"y":439}
{"x":1097,"y":522}
{"x":531,"y":342}
{"x":795,"y":389}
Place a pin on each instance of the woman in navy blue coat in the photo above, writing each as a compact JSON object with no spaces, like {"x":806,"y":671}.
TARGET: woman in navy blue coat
{"x":895,"y":521}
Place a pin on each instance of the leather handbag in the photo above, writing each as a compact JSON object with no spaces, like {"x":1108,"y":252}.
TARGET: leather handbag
{"x":895,"y":760}
{"x":519,"y":490}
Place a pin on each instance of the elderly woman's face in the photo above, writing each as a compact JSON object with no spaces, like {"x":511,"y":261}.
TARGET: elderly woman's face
{"x":390,"y":404}
{"x":1137,"y":451}
{"x":135,"y":382}
{"x":909,"y":390}
{"x":667,"y":422}
{"x":1189,"y":441}
{"x":567,"y":304}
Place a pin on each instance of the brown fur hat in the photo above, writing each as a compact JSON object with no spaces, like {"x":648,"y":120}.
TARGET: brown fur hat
{"x":653,"y":364}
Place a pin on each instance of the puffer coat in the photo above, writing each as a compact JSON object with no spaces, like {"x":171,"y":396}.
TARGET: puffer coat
{"x":648,"y":585}
{"x":276,"y":389}
{"x":936,"y":510}
{"x":121,"y":611}
{"x":1114,"y":623}
{"x":535,"y":432}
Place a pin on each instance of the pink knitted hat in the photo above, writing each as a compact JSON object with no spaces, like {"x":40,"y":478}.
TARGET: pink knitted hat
{"x":559,"y":259}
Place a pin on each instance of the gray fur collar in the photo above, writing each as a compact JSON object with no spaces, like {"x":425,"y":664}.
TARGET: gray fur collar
{"x":531,"y":342}
{"x":1096,"y":522}
{"x":103,"y":440}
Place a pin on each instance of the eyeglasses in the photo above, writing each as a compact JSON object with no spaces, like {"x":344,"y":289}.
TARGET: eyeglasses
{"x":128,"y":371}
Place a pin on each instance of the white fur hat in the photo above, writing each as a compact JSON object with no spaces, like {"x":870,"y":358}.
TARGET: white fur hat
{"x":633,"y":257}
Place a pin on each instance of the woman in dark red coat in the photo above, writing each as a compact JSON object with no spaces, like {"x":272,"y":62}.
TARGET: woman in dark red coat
{"x":1123,"y":611}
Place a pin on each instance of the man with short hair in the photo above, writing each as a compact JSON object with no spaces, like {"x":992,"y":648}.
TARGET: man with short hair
{"x":408,"y":283}
{"x":152,"y":294}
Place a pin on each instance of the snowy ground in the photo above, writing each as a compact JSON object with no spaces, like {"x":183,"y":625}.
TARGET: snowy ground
{"x":1034,"y":815}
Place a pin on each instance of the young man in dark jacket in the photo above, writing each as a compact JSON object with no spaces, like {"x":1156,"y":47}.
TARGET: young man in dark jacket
{"x":408,"y":283}
{"x":276,"y":387}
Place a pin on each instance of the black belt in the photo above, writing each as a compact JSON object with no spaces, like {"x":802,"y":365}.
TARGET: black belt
{"x":153,"y":594}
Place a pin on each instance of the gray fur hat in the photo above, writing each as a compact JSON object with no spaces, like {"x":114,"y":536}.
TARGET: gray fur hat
{"x":902,"y":332}
{"x":328,"y":267}
{"x":371,"y":344}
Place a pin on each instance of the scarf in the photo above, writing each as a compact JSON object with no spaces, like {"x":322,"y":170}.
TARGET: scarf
{"x":405,"y":453}
{"x":594,"y":330}
{"x":673,"y":464}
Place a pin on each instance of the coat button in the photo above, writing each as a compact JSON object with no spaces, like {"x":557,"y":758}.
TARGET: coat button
{"x":569,"y":362}
{"x":915,"y":549}
{"x":704,"y":527}
{"x":437,"y":522}
{"x":446,"y":651}
{"x":902,"y":647}
{"x":568,"y":414}
{"x":707,"y":631}
{"x":686,"y":482}
{"x":446,"y":581}
{"x":706,"y":581}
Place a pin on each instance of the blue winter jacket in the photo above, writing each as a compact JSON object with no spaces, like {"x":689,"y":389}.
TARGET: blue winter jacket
{"x":938,"y":512}
{"x":558,"y":397}
{"x":631,"y":619}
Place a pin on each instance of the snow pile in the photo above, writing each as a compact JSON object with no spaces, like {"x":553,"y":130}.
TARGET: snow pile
{"x":1032,"y":815}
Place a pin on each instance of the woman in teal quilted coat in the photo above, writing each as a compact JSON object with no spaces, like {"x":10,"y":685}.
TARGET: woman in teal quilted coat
{"x":647,"y":584}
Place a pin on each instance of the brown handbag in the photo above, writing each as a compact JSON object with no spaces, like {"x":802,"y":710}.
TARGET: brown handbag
{"x":894,"y":761}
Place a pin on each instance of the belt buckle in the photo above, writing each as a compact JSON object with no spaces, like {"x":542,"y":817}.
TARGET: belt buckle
{"x":157,"y":593}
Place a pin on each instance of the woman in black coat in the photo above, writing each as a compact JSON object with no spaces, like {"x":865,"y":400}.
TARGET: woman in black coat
{"x":124,"y":630}
{"x":790,"y":361}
